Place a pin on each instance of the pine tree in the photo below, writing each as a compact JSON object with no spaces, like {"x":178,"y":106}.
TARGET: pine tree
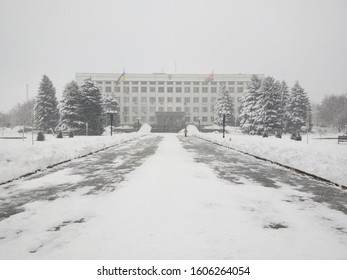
{"x":267,"y":118}
{"x":284,"y":104}
{"x":248,"y":109}
{"x":70,"y":108}
{"x":224,"y":106}
{"x":46,"y":107}
{"x":91,"y":107}
{"x":298,"y":109}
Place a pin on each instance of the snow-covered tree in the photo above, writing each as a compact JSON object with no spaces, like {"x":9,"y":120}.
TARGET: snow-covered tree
{"x":284,"y":102}
{"x":110,"y":106}
{"x":248,"y":106}
{"x":91,"y":107}
{"x":46,"y":107}
{"x":267,"y":118}
{"x":298,"y":109}
{"x":224,"y":106}
{"x":70,"y":108}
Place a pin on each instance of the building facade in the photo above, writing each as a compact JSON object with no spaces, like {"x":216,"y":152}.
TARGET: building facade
{"x":143,"y":97}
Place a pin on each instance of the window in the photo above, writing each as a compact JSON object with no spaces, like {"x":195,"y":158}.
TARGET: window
{"x":152,"y":89}
{"x":126,"y":99}
{"x":126,"y":83}
{"x":178,"y":89}
{"x":178,"y":99}
{"x":143,"y":99}
{"x":204,"y":119}
{"x":152,"y":83}
{"x":160,"y":83}
{"x":213,"y":89}
{"x":99,"y":82}
{"x":126,"y":119}
{"x":161,"y":109}
{"x":135,"y":100}
{"x":170,"y":89}
{"x":169,"y":99}
{"x":204,"y":100}
{"x":239,"y":89}
{"x":231,"y":90}
{"x":169,"y":109}
{"x":135,"y":89}
{"x":187,"y":109}
{"x":118,"y":99}
{"x":187,"y":89}
{"x":151,"y":119}
{"x":178,"y":109}
{"x":187,"y":83}
{"x":195,"y":83}
{"x":178,"y":83}
{"x":231,"y":83}
{"x":161,"y":89}
{"x":240,"y":83}
{"x":117,"y":89}
{"x":143,"y":83}
{"x":108,"y":82}
{"x":213,"y":83}
{"x":108,"y":89}
{"x":239,"y":99}
{"x":196,"y":90}
{"x":126,"y":89}
{"x":196,"y":119}
{"x":187,"y":100}
{"x":204,"y":89}
{"x":135,"y":110}
{"x":212,"y":119}
{"x":187,"y":119}
{"x":134,"y":83}
{"x":196,"y":109}
{"x":144,"y":110}
{"x":152,"y":109}
{"x":161,"y":99}
{"x":212,"y":108}
{"x":125,"y":109}
{"x":170,"y":83}
{"x":204,"y":109}
{"x":143,"y":89}
{"x":196,"y":99}
{"x":152,"y":100}
{"x":213,"y":99}
{"x":135,"y":119}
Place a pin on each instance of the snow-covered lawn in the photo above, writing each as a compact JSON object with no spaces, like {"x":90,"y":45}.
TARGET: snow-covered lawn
{"x":324,"y":158}
{"x":18,"y":157}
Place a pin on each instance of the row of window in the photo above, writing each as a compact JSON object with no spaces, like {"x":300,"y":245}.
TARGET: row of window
{"x":152,"y":100}
{"x":143,"y":110}
{"x":151,"y":119}
{"x":171,"y":83}
{"x":108,"y":89}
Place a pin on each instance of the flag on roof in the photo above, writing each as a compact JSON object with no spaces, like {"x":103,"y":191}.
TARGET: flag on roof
{"x":209,"y":78}
{"x":121,"y":78}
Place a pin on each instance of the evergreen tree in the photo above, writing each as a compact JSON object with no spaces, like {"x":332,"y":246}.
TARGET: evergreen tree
{"x":268,"y":115}
{"x":224,"y":106}
{"x":70,"y":108}
{"x":248,"y":106}
{"x":46,"y":107}
{"x":284,"y":103}
{"x":298,"y":109}
{"x":91,"y":107}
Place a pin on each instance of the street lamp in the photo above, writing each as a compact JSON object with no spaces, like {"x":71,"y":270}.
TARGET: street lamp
{"x":111,"y":113}
{"x":199,"y":120}
{"x":224,"y":126}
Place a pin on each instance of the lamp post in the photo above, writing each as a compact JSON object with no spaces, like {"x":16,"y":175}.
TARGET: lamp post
{"x":199,"y":120}
{"x":224,"y":126}
{"x":111,"y":113}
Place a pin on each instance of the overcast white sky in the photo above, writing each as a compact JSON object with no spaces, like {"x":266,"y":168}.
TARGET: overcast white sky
{"x":290,"y":40}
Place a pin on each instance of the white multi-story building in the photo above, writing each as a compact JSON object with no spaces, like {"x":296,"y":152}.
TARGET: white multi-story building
{"x":142,"y":97}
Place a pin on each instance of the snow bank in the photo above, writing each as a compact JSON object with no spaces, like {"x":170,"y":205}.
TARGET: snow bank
{"x":324,"y":158}
{"x":192,"y":129}
{"x":145,"y":129}
{"x":19,"y":157}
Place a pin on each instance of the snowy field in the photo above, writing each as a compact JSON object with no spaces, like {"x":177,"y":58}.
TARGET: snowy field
{"x":18,"y":157}
{"x":171,"y":207}
{"x":324,"y":158}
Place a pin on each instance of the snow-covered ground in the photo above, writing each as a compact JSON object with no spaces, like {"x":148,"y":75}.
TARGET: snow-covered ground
{"x":172,"y":207}
{"x":324,"y":158}
{"x":18,"y":157}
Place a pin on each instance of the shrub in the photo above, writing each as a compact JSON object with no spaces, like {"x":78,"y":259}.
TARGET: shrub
{"x":278,"y":134}
{"x":40,"y":136}
{"x":60,"y":134}
{"x":265,"y":134}
{"x":71,"y":134}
